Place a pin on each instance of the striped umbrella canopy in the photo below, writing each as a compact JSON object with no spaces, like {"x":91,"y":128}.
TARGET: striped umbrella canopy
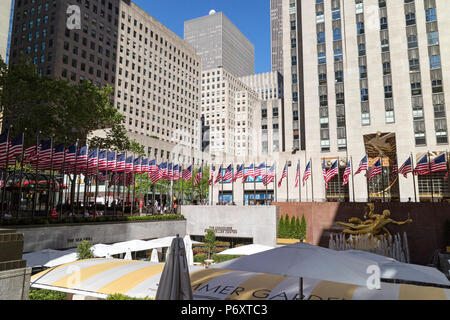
{"x":223,"y":284}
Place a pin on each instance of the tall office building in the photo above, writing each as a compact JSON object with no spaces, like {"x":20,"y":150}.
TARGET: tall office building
{"x":5,"y":24}
{"x":269,"y":120}
{"x":229,"y":107}
{"x":155,"y":74}
{"x":220,"y":44}
{"x":375,"y":82}
{"x":276,"y":34}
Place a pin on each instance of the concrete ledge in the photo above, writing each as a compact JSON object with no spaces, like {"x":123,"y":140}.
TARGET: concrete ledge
{"x":59,"y":237}
{"x":15,"y":284}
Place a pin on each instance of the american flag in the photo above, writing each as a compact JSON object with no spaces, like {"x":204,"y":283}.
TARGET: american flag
{"x":145,"y":167}
{"x":102,"y":163}
{"x":249,"y":173}
{"x":176,"y":172}
{"x":333,"y":172}
{"x":71,"y":154}
{"x":376,"y":170}
{"x":199,"y":176}
{"x":422,"y":167}
{"x":102,"y":176}
{"x":395,"y":168}
{"x":439,"y":163}
{"x":297,"y":176}
{"x":446,"y":176}
{"x":129,"y":165}
{"x":137,"y":165}
{"x":163,"y":171}
{"x":219,"y":175}
{"x":187,"y":174}
{"x":406,"y":168}
{"x":15,"y":148}
{"x":269,"y":176}
{"x":228,"y":174}
{"x":307,"y":173}
{"x":93,"y":161}
{"x":170,"y":172}
{"x":111,"y":161}
{"x":283,"y":175}
{"x":261,"y":170}
{"x":82,"y":158}
{"x":58,"y":155}
{"x":211,"y":179}
{"x":4,"y":144}
{"x":363,"y":165}
{"x":120,"y":163}
{"x":31,"y":153}
{"x":152,"y":170}
{"x":347,"y":173}
{"x":239,"y":173}
{"x":46,"y":151}
{"x":324,"y":171}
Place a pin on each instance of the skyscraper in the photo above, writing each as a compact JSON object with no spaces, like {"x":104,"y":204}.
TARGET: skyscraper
{"x":5,"y":21}
{"x":220,"y":44}
{"x":276,"y":34}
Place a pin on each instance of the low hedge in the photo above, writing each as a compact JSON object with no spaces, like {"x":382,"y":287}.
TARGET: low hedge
{"x":38,"y":294}
{"x":200,"y":258}
{"x":75,"y":220}
{"x":218,"y":258}
{"x":124,"y":297}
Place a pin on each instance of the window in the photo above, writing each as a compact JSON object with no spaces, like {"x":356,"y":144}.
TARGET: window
{"x":321,"y":37}
{"x":360,"y":27}
{"x":412,"y":41}
{"x":430,"y":14}
{"x":410,"y":19}
{"x":435,"y":62}
{"x":337,"y":34}
{"x":383,"y":23}
{"x":433,"y":38}
{"x":322,"y":58}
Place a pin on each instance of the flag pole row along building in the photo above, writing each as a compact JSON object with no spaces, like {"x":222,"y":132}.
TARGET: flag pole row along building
{"x":348,"y":79}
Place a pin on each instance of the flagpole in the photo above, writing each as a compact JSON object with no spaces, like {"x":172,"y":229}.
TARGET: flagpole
{"x":353,"y":180}
{"x":47,"y":209}
{"x":431,"y":176}
{"x":221,"y":178}
{"x":36,"y":175}
{"x":312,"y":181}
{"x":306,"y":186}
{"x":448,"y":168}
{"x":382,"y":178}
{"x":299,"y":184}
{"x":124,"y":184}
{"x":287,"y":181}
{"x":87,"y":183}
{"x":232,"y":184}
{"x":243,"y":185}
{"x":339,"y":180}
{"x":275,"y":185}
{"x":265,"y":177}
{"x":96,"y":182}
{"x":6,"y":172}
{"x":61,"y":188}
{"x":254,"y":183}
{"x":21,"y":172}
{"x":367,"y":180}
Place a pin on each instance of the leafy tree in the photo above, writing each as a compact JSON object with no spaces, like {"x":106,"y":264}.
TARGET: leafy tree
{"x":303,"y":228}
{"x":84,"y":251}
{"x":210,"y":241}
{"x":281,"y":228}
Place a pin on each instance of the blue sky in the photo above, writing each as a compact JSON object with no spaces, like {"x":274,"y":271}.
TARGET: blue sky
{"x":252,"y":17}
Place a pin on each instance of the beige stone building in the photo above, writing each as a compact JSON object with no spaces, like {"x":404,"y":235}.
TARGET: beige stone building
{"x":5,"y":14}
{"x":158,"y":87}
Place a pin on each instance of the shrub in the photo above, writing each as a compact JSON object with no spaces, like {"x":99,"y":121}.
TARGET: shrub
{"x":303,"y":228}
{"x":84,"y":251}
{"x":218,"y":258}
{"x":200,"y":258}
{"x":38,"y":294}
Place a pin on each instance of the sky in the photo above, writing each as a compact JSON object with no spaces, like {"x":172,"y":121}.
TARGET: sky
{"x":252,"y":17}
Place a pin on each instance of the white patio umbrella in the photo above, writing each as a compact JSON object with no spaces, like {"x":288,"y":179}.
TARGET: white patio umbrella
{"x":246,"y":250}
{"x":68,"y":258}
{"x":189,"y":252}
{"x":393,"y":269}
{"x":43,"y":257}
{"x":305,"y":261}
{"x":154,"y":256}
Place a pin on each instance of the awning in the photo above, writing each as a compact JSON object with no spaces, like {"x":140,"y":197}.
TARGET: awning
{"x":221,"y":284}
{"x":99,"y":278}
{"x":49,"y":258}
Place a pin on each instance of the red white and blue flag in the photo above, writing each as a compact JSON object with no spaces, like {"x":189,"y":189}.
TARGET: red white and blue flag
{"x":307,"y":173}
{"x":269,"y":176}
{"x":16,"y":148}
{"x":283,"y":175}
{"x":347,"y":173}
{"x":120,"y":163}
{"x":58,"y":155}
{"x":187,"y":174}
{"x":111,"y":160}
{"x":219,"y":175}
{"x":249,"y":173}
{"x":170,"y":172}
{"x":199,"y":176}
{"x":406,"y":168}
{"x":145,"y":168}
{"x":102,"y":163}
{"x":137,"y":165}
{"x":439,"y":163}
{"x":211,"y":179}
{"x":82,"y":158}
{"x":176,"y":172}
{"x":239,"y":173}
{"x":261,"y":170}
{"x":334,"y":171}
{"x":297,"y":176}
{"x":324,"y":171}
{"x":4,"y":146}
{"x":422,"y":167}
{"x":129,"y":165}
{"x":376,"y":170}
{"x":152,"y":169}
{"x":363,"y":165}
{"x":228,"y":175}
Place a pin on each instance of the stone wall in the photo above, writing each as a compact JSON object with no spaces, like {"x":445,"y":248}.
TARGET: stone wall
{"x":59,"y":237}
{"x":425,"y":235}
{"x":258,"y":223}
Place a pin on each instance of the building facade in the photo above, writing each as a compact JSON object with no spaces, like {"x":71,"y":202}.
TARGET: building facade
{"x":270,"y":123}
{"x":220,"y":44}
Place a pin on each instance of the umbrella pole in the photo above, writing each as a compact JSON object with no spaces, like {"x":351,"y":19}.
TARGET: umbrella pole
{"x":301,"y":289}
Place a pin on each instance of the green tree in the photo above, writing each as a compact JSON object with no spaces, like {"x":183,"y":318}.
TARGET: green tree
{"x":292,"y":231}
{"x":303,"y":228}
{"x":297,"y":228}
{"x":84,"y":251}
{"x":281,"y":228}
{"x":210,"y":241}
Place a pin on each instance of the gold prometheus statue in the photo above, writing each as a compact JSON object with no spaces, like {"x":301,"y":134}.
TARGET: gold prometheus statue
{"x":373,"y":226}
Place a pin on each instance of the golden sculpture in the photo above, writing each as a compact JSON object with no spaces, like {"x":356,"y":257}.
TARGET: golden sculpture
{"x":373,"y":226}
